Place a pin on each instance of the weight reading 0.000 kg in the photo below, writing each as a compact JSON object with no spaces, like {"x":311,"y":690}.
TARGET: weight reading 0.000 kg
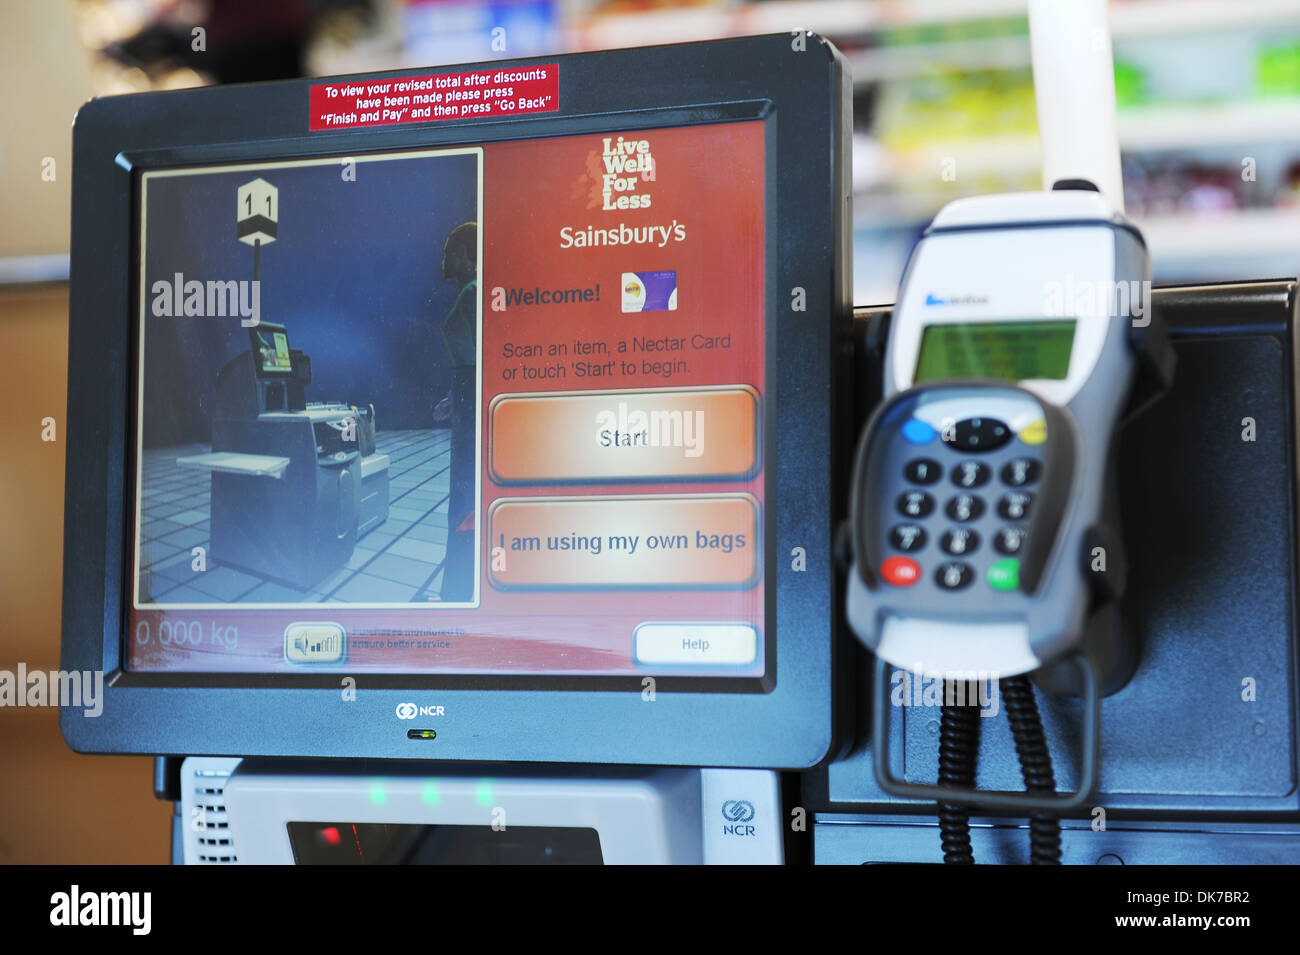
{"x":179,"y":633}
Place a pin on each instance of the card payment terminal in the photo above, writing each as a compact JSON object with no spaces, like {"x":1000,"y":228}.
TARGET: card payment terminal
{"x":981,"y":508}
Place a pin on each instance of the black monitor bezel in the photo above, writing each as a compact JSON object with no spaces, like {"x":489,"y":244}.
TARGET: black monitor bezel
{"x":768,"y":78}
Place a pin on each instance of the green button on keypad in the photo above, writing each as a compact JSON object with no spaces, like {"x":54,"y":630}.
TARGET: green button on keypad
{"x":1005,"y":574}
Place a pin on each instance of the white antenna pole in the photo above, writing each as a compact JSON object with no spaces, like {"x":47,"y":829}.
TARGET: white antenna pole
{"x":1074,"y":88}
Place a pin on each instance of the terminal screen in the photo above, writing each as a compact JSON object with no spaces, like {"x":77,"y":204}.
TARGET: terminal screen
{"x":1008,"y":351}
{"x":272,"y":348}
{"x":531,"y":440}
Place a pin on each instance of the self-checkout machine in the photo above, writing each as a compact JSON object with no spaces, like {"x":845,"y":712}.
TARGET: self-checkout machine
{"x":295,"y":484}
{"x":1170,"y":721}
{"x":251,"y":811}
{"x":592,"y":709}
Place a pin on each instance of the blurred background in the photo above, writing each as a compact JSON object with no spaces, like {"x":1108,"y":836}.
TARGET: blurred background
{"x":1209,"y":125}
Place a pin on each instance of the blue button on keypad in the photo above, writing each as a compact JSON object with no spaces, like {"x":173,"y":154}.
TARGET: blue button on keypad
{"x":916,"y":431}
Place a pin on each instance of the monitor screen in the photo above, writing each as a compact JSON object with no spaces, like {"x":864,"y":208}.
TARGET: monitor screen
{"x":1008,"y":351}
{"x":270,"y":350}
{"x":548,"y":462}
{"x":533,"y":438}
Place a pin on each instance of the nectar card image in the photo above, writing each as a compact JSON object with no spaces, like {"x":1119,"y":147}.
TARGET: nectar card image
{"x":308,"y":413}
{"x":650,"y":291}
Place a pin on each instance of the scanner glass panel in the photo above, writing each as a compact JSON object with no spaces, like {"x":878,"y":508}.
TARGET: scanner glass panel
{"x":1009,"y":351}
{"x":532,"y":446}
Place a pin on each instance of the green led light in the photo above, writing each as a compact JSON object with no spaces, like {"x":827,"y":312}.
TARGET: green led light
{"x":483,"y":793}
{"x":378,"y":794}
{"x":429,"y":793}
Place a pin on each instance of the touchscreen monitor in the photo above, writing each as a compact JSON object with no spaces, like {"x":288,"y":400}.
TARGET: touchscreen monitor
{"x":480,"y":412}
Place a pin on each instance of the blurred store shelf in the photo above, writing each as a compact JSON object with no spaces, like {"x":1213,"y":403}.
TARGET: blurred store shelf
{"x":944,"y":102}
{"x":1196,"y":125}
{"x":833,"y":18}
{"x":1244,"y":235}
{"x":1146,"y":17}
{"x":859,"y":18}
{"x":1200,"y":127}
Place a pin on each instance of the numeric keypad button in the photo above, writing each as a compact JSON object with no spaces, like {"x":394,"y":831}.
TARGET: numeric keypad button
{"x":960,"y":541}
{"x":1021,"y":472}
{"x":1014,"y":506}
{"x":907,"y":537}
{"x":954,"y":575}
{"x":969,"y":474}
{"x":922,"y":471}
{"x":915,"y":504}
{"x":1009,"y":540}
{"x":964,"y":508}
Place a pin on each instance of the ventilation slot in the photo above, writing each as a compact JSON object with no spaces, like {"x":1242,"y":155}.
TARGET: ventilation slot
{"x":205,"y":811}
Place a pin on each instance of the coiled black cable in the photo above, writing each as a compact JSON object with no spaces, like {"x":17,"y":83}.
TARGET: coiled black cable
{"x":1035,"y":765}
{"x":959,"y":743}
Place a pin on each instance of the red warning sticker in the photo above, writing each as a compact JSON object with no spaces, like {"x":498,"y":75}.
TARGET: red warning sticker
{"x":507,"y":91}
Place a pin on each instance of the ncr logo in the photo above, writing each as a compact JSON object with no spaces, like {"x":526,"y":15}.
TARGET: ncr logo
{"x":738,"y":813}
{"x":409,"y":711}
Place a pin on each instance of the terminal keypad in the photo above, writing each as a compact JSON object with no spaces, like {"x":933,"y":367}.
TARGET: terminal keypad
{"x":963,"y":500}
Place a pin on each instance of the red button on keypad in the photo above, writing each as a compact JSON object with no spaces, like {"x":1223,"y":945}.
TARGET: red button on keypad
{"x":900,"y":571}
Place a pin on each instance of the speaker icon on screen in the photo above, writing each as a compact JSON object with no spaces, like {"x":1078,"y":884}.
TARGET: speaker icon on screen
{"x":313,"y":643}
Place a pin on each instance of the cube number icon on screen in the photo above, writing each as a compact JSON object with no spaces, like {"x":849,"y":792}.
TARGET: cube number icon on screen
{"x":258,"y":212}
